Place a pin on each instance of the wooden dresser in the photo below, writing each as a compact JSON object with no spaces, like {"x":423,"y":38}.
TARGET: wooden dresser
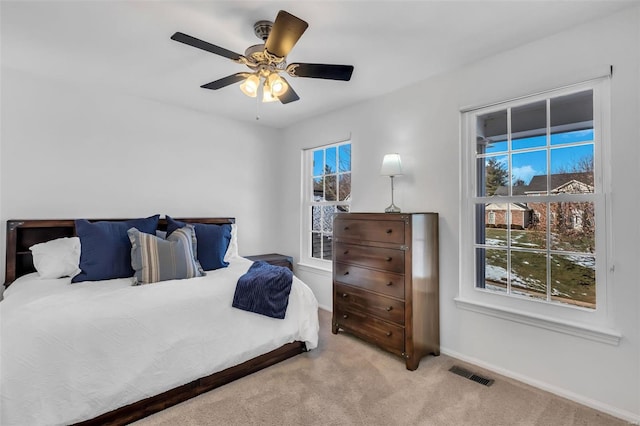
{"x":385,"y":281}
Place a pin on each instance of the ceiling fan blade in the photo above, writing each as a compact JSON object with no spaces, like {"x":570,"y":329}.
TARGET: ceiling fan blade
{"x":285,"y":33}
{"x":326,"y":71}
{"x":290,"y":95}
{"x":200,"y":44}
{"x":226,"y":81}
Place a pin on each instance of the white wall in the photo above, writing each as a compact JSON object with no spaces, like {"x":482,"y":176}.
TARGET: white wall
{"x":70,"y":152}
{"x":422,"y":124}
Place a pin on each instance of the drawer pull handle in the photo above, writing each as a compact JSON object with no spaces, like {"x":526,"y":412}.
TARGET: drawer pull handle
{"x":389,"y":334}
{"x":346,"y":228}
{"x":344,"y":295}
{"x":388,"y":308}
{"x":389,"y":259}
{"x":389,"y":231}
{"x":390,"y":283}
{"x":345,"y":316}
{"x":346,"y":272}
{"x":346,"y":252}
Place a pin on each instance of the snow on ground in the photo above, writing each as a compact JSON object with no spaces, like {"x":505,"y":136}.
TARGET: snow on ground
{"x":498,"y":275}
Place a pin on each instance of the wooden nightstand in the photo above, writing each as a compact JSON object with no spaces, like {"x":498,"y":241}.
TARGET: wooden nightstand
{"x":274,"y":259}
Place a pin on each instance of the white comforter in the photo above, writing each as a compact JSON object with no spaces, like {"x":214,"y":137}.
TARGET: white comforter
{"x":73,"y":351}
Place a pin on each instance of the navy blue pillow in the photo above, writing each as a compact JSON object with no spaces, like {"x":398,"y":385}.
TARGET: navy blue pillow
{"x":264,"y":289}
{"x":213,"y":241}
{"x":105,"y":249}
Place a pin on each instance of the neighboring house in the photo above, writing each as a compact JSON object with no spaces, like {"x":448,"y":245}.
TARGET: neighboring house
{"x":572,"y":183}
{"x":526,"y":215}
{"x":496,"y":215}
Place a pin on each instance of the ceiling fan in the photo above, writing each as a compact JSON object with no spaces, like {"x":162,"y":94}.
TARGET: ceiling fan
{"x":268,"y":59}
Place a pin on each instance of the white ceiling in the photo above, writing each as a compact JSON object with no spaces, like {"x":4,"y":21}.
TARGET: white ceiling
{"x":125,"y":46}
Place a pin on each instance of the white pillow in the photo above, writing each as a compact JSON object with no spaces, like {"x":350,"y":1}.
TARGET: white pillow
{"x":232,"y":250}
{"x":57,"y":258}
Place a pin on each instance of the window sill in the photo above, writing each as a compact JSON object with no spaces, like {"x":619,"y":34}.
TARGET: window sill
{"x":322,"y":270}
{"x":597,"y":334}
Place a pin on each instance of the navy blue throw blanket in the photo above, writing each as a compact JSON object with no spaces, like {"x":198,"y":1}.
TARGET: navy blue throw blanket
{"x":264,"y":289}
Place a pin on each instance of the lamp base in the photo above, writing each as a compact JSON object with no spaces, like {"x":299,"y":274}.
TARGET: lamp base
{"x":392,"y":209}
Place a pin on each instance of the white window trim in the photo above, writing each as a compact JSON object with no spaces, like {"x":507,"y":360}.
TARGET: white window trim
{"x":591,"y":332}
{"x":587,"y":323}
{"x":305,"y":209}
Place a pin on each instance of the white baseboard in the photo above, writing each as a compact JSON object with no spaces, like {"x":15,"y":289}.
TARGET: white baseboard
{"x":633,"y":418}
{"x":326,"y":308}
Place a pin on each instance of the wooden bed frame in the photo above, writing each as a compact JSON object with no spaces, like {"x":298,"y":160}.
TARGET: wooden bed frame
{"x":22,"y":234}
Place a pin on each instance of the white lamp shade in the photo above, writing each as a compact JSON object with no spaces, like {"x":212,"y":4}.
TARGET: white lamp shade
{"x":277,"y":86}
{"x":250,"y":86}
{"x":268,"y":97}
{"x":391,"y":165}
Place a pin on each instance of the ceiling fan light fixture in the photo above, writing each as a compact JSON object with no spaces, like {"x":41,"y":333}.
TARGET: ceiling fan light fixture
{"x":250,"y":86}
{"x":277,"y":85}
{"x":268,"y":97}
{"x":268,"y":60}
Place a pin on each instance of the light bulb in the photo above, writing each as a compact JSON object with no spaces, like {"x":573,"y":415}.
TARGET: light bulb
{"x":267,"y":96}
{"x":250,"y":86}
{"x":277,"y":85}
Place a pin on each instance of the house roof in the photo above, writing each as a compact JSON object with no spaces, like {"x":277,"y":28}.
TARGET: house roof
{"x":503,"y":191}
{"x":538,"y":183}
{"x":503,"y":206}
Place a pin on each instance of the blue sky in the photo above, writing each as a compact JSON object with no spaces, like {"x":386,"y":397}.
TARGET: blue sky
{"x":334,"y":154}
{"x":566,"y":149}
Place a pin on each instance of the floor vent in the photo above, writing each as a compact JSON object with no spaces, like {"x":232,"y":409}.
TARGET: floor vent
{"x":471,"y":376}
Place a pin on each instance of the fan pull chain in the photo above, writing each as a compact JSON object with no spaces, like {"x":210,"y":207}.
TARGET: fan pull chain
{"x":257,"y":108}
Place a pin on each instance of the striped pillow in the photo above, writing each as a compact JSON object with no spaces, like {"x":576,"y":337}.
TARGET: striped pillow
{"x":154,"y":259}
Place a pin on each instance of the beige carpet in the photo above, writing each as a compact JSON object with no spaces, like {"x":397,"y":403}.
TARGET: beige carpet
{"x":348,"y":382}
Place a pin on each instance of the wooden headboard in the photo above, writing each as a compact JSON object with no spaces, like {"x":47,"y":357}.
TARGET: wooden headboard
{"x":22,"y":234}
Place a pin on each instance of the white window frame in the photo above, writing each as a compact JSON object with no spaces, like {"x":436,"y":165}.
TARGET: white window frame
{"x":306,"y":258}
{"x":595,"y":324}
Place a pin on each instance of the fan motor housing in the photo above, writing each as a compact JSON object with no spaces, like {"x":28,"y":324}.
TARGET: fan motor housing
{"x":259,"y":60}
{"x":255,"y":52}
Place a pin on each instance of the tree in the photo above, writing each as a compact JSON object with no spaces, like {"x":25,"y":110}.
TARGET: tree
{"x":496,"y":175}
{"x":585,"y":164}
{"x":580,"y":165}
{"x":575,"y":221}
{"x":326,"y":187}
{"x":344,"y":183}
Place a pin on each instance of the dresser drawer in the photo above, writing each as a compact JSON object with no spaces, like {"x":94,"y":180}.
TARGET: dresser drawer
{"x":386,"y":308}
{"x":384,"y":334}
{"x":370,"y":230}
{"x":391,"y":260}
{"x":381,"y":282}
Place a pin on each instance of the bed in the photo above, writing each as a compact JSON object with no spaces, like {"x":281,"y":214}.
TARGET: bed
{"x":107,"y":352}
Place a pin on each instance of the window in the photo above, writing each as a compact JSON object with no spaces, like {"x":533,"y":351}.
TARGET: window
{"x":534,"y":200}
{"x":327,"y":190}
{"x":492,"y":217}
